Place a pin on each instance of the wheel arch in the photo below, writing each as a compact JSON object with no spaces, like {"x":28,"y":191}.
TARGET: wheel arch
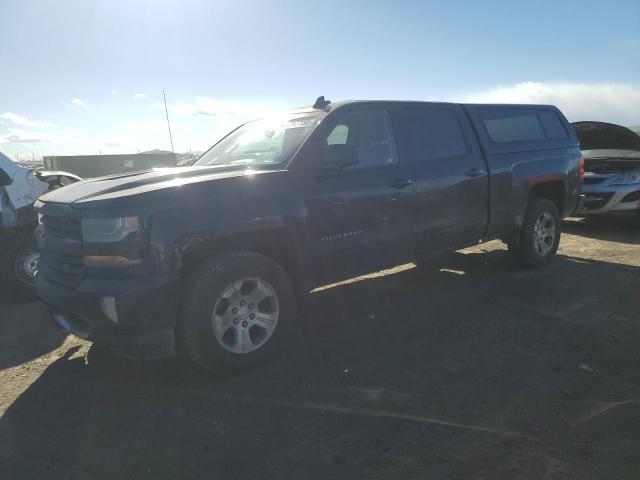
{"x":276,"y":244}
{"x":553,"y":190}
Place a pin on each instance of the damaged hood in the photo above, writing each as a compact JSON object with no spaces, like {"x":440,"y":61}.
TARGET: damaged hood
{"x":608,"y":148}
{"x":136,"y":183}
{"x":606,"y":136}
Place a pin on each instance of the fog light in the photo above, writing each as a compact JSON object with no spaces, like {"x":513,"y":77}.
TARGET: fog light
{"x":108,"y":305}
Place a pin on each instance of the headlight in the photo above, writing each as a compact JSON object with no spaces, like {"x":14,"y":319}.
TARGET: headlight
{"x":108,"y":229}
{"x":626,"y":179}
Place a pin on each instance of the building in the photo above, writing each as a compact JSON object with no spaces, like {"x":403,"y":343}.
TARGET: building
{"x":89,"y":166}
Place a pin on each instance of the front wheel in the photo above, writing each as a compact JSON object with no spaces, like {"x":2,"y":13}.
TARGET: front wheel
{"x":19,"y":265}
{"x":238,"y":312}
{"x":536,"y":244}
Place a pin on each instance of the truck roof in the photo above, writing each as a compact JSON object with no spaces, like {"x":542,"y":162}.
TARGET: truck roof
{"x":333,"y":105}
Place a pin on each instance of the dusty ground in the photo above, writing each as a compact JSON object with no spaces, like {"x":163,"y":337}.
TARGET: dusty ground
{"x":472,"y":369}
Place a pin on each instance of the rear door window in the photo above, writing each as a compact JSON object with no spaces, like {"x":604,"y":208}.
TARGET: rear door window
{"x":432,"y":134}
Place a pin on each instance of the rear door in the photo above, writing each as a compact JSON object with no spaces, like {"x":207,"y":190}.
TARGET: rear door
{"x":362,"y":218}
{"x":452,"y":182}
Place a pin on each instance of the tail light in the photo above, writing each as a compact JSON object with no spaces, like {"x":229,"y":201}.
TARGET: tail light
{"x":581,"y":172}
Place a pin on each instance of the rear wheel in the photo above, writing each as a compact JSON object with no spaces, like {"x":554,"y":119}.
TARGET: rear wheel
{"x":536,"y":244}
{"x":238,"y":312}
{"x":19,"y":265}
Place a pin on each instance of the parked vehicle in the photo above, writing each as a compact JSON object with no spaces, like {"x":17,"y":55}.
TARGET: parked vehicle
{"x":213,"y":257}
{"x":19,"y":252}
{"x":612,"y":168}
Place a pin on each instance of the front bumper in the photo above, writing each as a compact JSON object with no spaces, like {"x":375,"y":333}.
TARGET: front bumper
{"x":146,"y":314}
{"x":606,"y":198}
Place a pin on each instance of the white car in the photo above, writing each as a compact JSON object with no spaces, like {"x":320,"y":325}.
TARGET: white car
{"x":20,"y":187}
{"x":612,"y":168}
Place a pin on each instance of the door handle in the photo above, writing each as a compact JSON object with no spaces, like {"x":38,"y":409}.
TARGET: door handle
{"x":401,"y":183}
{"x":474,"y":172}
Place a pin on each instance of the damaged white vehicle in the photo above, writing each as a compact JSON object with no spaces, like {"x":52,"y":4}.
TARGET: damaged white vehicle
{"x":612,"y":169}
{"x":20,"y":187}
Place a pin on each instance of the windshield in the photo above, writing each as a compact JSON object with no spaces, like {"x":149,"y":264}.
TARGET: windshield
{"x":268,"y":141}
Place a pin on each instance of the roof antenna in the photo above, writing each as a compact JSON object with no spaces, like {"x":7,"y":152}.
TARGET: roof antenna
{"x":321,"y":103}
{"x":166,"y":111}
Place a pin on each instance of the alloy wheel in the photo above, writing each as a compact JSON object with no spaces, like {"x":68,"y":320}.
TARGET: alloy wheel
{"x":245,"y":315}
{"x":544,"y":234}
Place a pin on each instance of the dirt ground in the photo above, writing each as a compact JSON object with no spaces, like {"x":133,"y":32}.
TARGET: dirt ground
{"x":469,"y":369}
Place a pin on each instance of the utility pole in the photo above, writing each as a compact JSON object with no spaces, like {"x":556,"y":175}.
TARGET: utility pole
{"x":166,"y":111}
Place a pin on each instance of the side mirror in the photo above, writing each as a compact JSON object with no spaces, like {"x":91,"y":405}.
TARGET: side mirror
{"x":340,"y":156}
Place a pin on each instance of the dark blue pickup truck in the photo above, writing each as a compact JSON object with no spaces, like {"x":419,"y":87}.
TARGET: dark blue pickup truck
{"x":212,"y":258}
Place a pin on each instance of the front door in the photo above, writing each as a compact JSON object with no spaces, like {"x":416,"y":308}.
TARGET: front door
{"x":362,"y":218}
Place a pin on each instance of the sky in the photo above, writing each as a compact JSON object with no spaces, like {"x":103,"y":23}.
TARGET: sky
{"x":86,"y":76}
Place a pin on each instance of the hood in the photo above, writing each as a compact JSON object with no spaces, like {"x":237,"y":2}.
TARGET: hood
{"x":606,"y":136}
{"x":136,"y":183}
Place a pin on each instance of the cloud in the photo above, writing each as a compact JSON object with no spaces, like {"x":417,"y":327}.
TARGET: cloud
{"x":21,"y":121}
{"x":77,"y":103}
{"x":20,"y":136}
{"x":196,"y":123}
{"x":147,"y":126}
{"x":133,"y":136}
{"x":213,"y":107}
{"x":140,"y":96}
{"x":608,"y":102}
{"x":209,"y":119}
{"x":17,"y":139}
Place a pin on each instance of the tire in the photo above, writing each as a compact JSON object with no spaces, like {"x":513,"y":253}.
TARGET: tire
{"x":215,"y":328}
{"x":531,"y":249}
{"x":18,"y":265}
